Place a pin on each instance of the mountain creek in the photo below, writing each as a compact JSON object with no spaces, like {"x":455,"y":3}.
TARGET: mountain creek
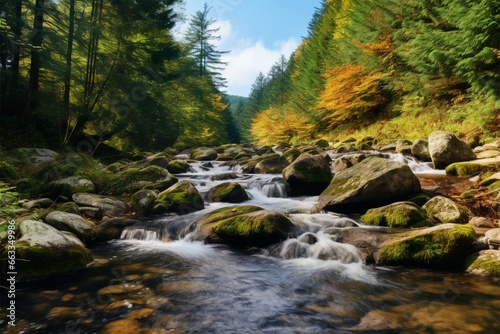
{"x":157,"y":279}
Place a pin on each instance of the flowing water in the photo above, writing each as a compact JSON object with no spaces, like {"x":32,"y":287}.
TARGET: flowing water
{"x":157,"y":280}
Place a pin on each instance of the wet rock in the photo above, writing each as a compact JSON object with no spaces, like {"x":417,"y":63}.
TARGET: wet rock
{"x":43,"y":251}
{"x":373,"y":182}
{"x":308,"y":176}
{"x":110,"y":207}
{"x":271,"y":166}
{"x":204,"y":154}
{"x":400,"y":214}
{"x":143,"y":201}
{"x":346,"y":161}
{"x":243,"y":226}
{"x":489,"y":150}
{"x":182,"y":198}
{"x":84,"y":229}
{"x":481,"y":222}
{"x":123,"y":326}
{"x":230,"y":192}
{"x":445,"y":148}
{"x":112,"y":228}
{"x":444,"y":210}
{"x":403,"y":146}
{"x":492,"y":238}
{"x":485,"y":263}
{"x":442,"y":246}
{"x":420,"y":150}
{"x":178,"y":166}
{"x":249,"y":166}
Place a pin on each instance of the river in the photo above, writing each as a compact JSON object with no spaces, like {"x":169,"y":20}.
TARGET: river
{"x":157,"y":280}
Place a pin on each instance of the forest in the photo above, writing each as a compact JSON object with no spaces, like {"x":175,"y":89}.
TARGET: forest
{"x":112,"y":72}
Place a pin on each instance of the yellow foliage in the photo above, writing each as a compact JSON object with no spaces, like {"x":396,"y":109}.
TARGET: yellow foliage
{"x":350,"y":91}
{"x":276,"y":125}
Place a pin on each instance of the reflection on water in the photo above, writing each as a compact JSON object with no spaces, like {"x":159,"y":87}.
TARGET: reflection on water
{"x":186,"y":287}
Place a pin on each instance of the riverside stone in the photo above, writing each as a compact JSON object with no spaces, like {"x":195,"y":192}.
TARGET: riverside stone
{"x":182,"y":198}
{"x":45,"y":252}
{"x":230,"y":192}
{"x":446,"y":211}
{"x":445,"y":148}
{"x":308,"y":176}
{"x":372,"y":182}
{"x":84,"y":229}
{"x":110,"y":207}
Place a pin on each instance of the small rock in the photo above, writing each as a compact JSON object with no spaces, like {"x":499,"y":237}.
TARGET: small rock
{"x":42,"y":203}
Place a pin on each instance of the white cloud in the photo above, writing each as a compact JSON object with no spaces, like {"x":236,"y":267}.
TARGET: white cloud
{"x":249,"y":58}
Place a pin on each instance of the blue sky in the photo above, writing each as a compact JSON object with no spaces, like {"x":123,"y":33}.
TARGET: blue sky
{"x":257,"y":32}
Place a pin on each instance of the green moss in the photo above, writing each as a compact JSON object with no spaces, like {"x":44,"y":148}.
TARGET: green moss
{"x":443,"y":247}
{"x":39,"y":262}
{"x":494,"y":186}
{"x":465,"y":169}
{"x":177,"y":166}
{"x":486,"y":264}
{"x":470,"y":193}
{"x":225,"y":213}
{"x":181,"y":198}
{"x":225,"y":157}
{"x":397,"y":215}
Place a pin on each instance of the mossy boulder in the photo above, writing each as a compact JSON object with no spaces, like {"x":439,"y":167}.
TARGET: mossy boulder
{"x":291,"y":154}
{"x":473,"y":167}
{"x":485,"y":263}
{"x":204,"y":154}
{"x":43,"y":251}
{"x":249,"y":166}
{"x":271,"y":166}
{"x":444,"y":210}
{"x":131,"y":180}
{"x":143,"y":201}
{"x":243,"y":226}
{"x":230,"y":192}
{"x":445,"y":148}
{"x":371,"y":183}
{"x":84,"y":229}
{"x":68,"y":186}
{"x":308,"y":176}
{"x":444,"y":246}
{"x":182,"y":198}
{"x":178,"y":166}
{"x":400,"y":214}
{"x":347,"y":161}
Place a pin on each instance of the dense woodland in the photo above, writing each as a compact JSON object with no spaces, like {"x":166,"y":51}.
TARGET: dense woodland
{"x":112,"y":72}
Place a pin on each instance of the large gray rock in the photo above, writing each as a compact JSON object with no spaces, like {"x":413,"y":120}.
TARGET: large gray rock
{"x":444,"y":210}
{"x":420,"y":149}
{"x":109,"y":207}
{"x":43,"y":251}
{"x":484,"y":263}
{"x":371,"y":183}
{"x":445,"y":148}
{"x":271,"y":166}
{"x":308,"y":176}
{"x":204,"y":154}
{"x":38,"y":155}
{"x":84,"y":229}
{"x":143,"y":201}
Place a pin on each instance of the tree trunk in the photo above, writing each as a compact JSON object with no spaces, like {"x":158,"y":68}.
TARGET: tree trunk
{"x":17,"y":51}
{"x":36,"y":43}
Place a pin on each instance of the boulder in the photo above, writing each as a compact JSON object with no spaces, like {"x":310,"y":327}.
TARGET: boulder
{"x":37,"y":155}
{"x":308,"y":176}
{"x":403,"y":146}
{"x":372,"y":182}
{"x":445,"y":148}
{"x":204,"y":154}
{"x":42,"y":203}
{"x":182,"y":198}
{"x":442,"y":246}
{"x":84,"y":229}
{"x":444,"y":210}
{"x":346,"y":161}
{"x":492,"y":238}
{"x":43,"y":251}
{"x":112,"y":228}
{"x":489,"y":150}
{"x":143,"y":201}
{"x":178,"y":166}
{"x":473,"y":167}
{"x":485,"y":263}
{"x":400,"y":214}
{"x":69,"y":186}
{"x":230,"y":192}
{"x":133,"y":179}
{"x":109,"y":207}
{"x":271,"y":166}
{"x":249,"y":167}
{"x":420,"y":150}
{"x":243,"y":226}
